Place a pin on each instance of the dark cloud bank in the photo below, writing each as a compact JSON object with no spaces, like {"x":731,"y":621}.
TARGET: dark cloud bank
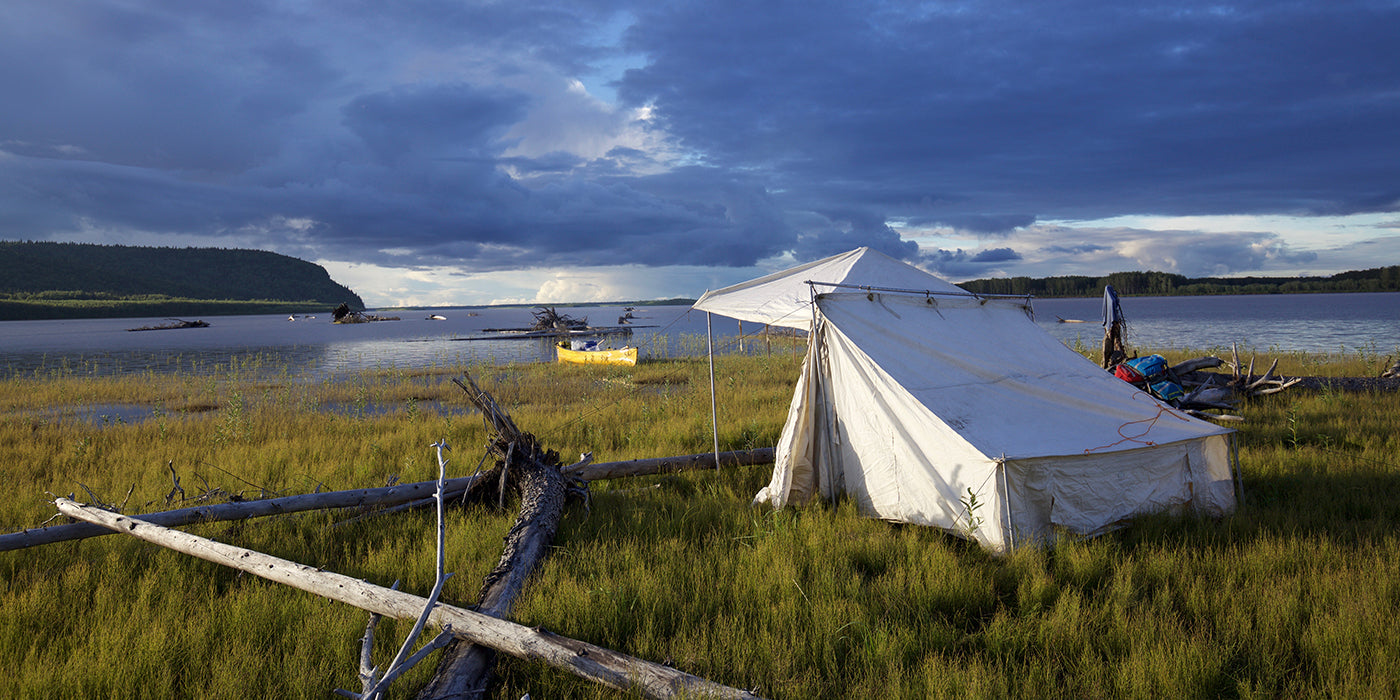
{"x":393,"y":135}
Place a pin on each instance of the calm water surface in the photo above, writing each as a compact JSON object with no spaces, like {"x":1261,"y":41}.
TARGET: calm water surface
{"x":1303,"y":322}
{"x":320,"y":347}
{"x":1368,"y":322}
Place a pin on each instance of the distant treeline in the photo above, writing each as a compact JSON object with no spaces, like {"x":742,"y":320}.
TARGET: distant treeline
{"x":71,"y":280}
{"x":1381,"y":279}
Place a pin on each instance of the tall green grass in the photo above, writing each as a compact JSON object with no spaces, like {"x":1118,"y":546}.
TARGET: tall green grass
{"x":1293,"y":596}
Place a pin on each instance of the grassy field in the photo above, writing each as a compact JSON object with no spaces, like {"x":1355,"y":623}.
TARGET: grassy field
{"x":1293,"y":596}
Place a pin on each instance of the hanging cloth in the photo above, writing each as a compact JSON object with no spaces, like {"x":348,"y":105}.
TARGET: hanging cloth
{"x":1113,"y":322}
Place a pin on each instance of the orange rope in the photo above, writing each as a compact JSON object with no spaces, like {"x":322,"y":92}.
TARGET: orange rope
{"x":1161,"y":408}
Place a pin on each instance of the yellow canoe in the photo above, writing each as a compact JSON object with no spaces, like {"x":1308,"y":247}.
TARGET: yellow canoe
{"x":621,"y":356}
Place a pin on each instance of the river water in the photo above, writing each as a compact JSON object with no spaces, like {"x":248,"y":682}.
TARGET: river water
{"x":1325,"y":323}
{"x":1362,"y":322}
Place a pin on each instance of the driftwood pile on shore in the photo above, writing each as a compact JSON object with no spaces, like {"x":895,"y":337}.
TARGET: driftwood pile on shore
{"x":1206,"y":390}
{"x":1191,"y":387}
{"x":1219,"y":391}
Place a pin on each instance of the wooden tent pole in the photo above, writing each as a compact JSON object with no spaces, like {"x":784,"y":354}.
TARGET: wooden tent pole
{"x":714,"y":406}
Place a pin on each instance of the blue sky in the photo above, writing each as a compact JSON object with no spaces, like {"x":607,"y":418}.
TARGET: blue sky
{"x":436,"y":152}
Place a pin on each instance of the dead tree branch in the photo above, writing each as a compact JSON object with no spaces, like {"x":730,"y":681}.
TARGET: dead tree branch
{"x":402,"y":661}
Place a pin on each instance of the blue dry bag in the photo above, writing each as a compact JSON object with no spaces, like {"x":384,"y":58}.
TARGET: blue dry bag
{"x":1168,"y":390}
{"x":1149,"y":366}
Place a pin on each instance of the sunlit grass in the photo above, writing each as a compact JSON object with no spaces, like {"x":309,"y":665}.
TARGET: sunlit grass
{"x":1293,"y":596}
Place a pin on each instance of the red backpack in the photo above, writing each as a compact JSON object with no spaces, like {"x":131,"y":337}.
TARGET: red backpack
{"x":1129,"y":374}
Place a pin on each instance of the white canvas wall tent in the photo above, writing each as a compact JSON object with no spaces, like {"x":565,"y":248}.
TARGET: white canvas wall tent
{"x":929,"y":405}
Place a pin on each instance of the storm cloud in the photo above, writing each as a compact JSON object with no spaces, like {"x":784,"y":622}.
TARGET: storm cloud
{"x":974,"y":138}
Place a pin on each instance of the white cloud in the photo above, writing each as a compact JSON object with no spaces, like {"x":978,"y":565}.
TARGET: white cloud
{"x":1047,"y":250}
{"x":566,"y":287}
{"x":1302,"y":232}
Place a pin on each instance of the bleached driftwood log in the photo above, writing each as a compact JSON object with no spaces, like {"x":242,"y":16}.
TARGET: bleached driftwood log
{"x":1199,"y":363}
{"x":666,"y":465}
{"x":1250,"y":385}
{"x":386,"y":496}
{"x":1221,"y":391}
{"x":1393,"y":372}
{"x":581,"y":658}
{"x":1224,"y":388}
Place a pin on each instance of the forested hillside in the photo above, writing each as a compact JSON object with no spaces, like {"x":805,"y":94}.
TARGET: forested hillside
{"x":71,"y":277}
{"x":1381,"y":279}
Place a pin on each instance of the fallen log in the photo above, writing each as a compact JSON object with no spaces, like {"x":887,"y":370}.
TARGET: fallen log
{"x":666,"y":465}
{"x":1204,"y":390}
{"x":546,"y":317}
{"x":344,"y":314}
{"x":589,"y":661}
{"x":1199,"y":363}
{"x":1348,"y":383}
{"x":403,"y":495}
{"x":534,"y":472}
{"x":386,"y":496}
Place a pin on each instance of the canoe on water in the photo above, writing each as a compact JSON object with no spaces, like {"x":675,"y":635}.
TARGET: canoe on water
{"x":621,"y":356}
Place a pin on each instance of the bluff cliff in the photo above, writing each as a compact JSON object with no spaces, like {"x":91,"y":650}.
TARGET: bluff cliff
{"x":75,"y":275}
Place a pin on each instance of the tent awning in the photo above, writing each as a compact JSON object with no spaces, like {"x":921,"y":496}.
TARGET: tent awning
{"x":785,"y":298}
